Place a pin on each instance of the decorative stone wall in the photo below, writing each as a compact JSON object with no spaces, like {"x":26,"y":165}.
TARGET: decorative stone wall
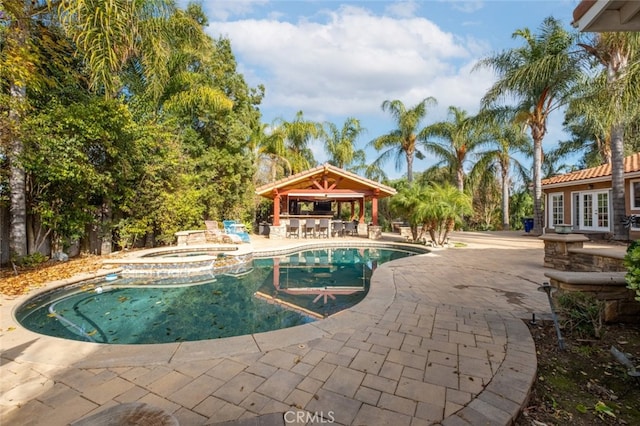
{"x":278,"y":232}
{"x":186,"y":238}
{"x":375,"y":232}
{"x":609,"y":287}
{"x":557,"y":247}
{"x":595,"y":260}
{"x":595,"y":270}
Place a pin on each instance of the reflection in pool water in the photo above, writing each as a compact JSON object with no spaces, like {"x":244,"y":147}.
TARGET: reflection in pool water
{"x":267,"y":294}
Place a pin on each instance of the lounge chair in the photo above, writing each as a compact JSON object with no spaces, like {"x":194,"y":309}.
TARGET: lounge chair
{"x":231,"y":227}
{"x":214,"y":234}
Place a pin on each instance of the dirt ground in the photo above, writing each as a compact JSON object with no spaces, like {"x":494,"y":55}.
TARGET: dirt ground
{"x":584,"y":384}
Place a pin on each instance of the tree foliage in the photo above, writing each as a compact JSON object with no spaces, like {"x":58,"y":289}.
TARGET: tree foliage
{"x":540,"y":76}
{"x":401,"y":143}
{"x":435,"y":209}
{"x":143,"y":129}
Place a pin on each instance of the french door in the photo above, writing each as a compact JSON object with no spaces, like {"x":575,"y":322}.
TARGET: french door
{"x":592,"y":213}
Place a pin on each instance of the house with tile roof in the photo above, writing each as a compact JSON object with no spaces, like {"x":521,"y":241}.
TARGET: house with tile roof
{"x":583,"y":199}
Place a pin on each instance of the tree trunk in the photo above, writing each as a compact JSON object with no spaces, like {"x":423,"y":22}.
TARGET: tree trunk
{"x":17,"y":182}
{"x":460,"y":178}
{"x":107,"y":229}
{"x":409,"y":156}
{"x":617,"y":182}
{"x":537,"y":133}
{"x":616,"y":68}
{"x":505,"y":201}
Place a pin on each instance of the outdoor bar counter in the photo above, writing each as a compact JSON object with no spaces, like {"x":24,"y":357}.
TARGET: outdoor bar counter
{"x":285,"y":218}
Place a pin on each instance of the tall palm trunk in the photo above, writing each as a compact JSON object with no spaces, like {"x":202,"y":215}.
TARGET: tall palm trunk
{"x":17,"y":183}
{"x":538,"y":215}
{"x":460,"y":178}
{"x":616,"y":67}
{"x":409,"y":155}
{"x":617,"y":182}
{"x":17,"y":179}
{"x":505,"y":200}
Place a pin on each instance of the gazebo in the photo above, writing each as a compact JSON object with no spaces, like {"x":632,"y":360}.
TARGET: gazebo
{"x":319,"y":189}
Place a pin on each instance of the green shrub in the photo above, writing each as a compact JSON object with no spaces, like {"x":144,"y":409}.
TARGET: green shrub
{"x":32,"y":259}
{"x":582,"y":313}
{"x":632,"y":263}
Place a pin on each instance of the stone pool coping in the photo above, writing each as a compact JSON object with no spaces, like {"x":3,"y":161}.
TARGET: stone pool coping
{"x":401,"y":323}
{"x":109,"y":355}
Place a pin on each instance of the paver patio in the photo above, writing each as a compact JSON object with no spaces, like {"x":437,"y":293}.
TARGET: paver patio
{"x":439,"y":339}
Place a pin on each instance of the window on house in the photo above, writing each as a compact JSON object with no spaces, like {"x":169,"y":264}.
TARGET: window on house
{"x":635,"y":194}
{"x":557,"y":208}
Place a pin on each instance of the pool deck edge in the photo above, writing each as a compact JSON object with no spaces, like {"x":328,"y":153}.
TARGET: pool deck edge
{"x":389,"y":359}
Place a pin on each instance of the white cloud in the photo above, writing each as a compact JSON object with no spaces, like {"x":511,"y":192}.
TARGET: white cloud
{"x":467,"y":6}
{"x":402,"y":9}
{"x":352,"y":61}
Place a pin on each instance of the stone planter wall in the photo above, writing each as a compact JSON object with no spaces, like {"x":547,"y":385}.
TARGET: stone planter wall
{"x":594,"y":270}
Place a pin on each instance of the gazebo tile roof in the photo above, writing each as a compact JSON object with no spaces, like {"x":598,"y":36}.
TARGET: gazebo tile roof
{"x":302,"y":180}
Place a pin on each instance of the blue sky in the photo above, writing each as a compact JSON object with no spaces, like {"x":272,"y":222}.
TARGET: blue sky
{"x":339,"y":59}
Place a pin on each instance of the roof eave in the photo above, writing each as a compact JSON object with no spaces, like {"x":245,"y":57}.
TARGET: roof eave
{"x":577,"y":182}
{"x":599,"y":16}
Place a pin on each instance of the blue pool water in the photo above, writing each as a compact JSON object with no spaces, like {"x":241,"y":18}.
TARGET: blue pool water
{"x":265,"y":294}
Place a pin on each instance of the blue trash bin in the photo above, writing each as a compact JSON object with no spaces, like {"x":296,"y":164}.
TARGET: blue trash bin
{"x":528,"y":224}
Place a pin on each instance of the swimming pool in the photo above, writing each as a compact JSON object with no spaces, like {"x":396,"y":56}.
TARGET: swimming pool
{"x":264,"y":294}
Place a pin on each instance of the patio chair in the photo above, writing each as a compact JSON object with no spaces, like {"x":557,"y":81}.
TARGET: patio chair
{"x":337,"y":228}
{"x":323,"y":228}
{"x":310,"y":226}
{"x":351,"y":228}
{"x":293,"y":228}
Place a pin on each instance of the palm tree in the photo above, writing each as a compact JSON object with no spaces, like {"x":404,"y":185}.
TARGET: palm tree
{"x":111,"y":34}
{"x":460,"y":136}
{"x":435,"y":209}
{"x":340,"y":143}
{"x":540,"y":76}
{"x":269,"y":152}
{"x":296,"y":135}
{"x":106,"y":34}
{"x":25,"y":62}
{"x":618,"y":54}
{"x":500,"y":159}
{"x":401,"y":142}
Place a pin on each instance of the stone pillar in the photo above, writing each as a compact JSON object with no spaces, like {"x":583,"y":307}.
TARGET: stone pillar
{"x":375,"y":232}
{"x":556,"y":249}
{"x":277,"y":232}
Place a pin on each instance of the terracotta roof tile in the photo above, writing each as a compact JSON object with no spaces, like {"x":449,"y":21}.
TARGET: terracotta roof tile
{"x":631,"y":164}
{"x":582,"y":8}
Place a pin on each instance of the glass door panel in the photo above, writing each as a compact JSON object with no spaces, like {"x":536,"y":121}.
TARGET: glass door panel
{"x":594,"y":211}
{"x":587,"y":211}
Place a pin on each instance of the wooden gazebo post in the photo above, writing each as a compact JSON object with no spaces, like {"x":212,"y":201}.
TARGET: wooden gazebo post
{"x":276,"y":208}
{"x":374,"y":210}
